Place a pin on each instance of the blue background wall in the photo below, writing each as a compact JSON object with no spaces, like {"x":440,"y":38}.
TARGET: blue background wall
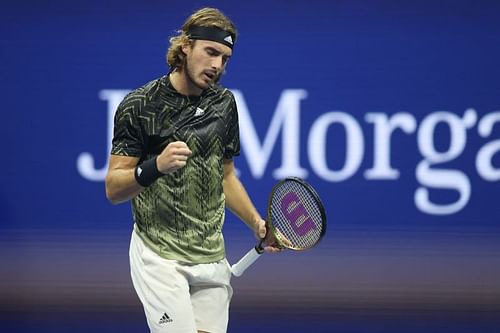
{"x":387,"y":263}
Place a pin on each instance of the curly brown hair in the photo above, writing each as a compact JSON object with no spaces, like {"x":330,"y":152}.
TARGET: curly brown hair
{"x":205,"y":17}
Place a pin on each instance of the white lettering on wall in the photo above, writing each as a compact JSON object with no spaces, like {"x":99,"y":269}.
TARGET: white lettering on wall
{"x":383,"y":129}
{"x":286,"y":118}
{"x":451,"y":179}
{"x":317,"y":148}
{"x":433,"y":173}
{"x":85,"y":162}
{"x":486,"y":153}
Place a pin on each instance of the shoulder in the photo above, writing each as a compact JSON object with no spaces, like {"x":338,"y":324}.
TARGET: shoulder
{"x":136,"y":100}
{"x":222,"y":96}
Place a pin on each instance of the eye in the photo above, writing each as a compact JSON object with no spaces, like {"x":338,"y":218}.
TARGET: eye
{"x":212,"y":52}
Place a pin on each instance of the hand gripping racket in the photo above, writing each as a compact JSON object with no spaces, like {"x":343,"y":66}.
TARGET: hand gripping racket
{"x":295,"y":217}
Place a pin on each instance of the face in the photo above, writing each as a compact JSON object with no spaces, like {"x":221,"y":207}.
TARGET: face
{"x":205,"y":62}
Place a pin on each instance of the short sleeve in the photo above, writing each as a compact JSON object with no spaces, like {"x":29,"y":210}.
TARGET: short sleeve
{"x":128,"y":136}
{"x":232,"y":147}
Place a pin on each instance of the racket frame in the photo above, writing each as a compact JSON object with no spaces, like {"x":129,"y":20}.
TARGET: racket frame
{"x":251,"y":256}
{"x":276,"y":233}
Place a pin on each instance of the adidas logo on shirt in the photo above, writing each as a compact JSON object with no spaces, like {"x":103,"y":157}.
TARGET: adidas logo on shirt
{"x":165,"y":319}
{"x":199,"y":112}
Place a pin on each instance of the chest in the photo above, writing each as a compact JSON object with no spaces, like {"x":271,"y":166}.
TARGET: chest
{"x":202,"y":125}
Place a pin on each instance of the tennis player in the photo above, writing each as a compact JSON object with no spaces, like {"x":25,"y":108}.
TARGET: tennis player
{"x":172,"y":155}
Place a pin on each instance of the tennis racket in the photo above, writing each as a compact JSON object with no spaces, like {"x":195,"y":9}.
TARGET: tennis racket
{"x":295,"y":217}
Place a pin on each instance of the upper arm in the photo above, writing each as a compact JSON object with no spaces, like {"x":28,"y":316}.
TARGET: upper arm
{"x":232,"y":142}
{"x":228,"y":169}
{"x":128,"y":137}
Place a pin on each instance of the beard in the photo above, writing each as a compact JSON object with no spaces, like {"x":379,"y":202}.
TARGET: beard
{"x":190,"y":75}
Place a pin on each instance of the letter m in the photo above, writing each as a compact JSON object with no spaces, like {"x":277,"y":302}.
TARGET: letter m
{"x":285,"y":117}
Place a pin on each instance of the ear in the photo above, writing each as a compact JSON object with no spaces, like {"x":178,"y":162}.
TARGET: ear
{"x":186,"y":47}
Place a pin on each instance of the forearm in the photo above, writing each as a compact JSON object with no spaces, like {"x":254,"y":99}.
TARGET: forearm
{"x":238,"y":201}
{"x":121,"y":185}
{"x":120,"y":180}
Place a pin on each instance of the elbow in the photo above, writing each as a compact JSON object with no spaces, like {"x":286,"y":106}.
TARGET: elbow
{"x":112,"y":198}
{"x":112,"y":195}
{"x":116,"y":196}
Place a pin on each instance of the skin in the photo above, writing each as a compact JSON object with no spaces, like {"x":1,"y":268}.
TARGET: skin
{"x":205,"y":62}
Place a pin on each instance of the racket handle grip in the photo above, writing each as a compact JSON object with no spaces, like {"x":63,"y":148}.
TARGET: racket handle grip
{"x":245,"y":262}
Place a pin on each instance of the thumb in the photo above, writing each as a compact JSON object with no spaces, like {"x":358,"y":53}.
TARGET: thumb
{"x":262,"y":230}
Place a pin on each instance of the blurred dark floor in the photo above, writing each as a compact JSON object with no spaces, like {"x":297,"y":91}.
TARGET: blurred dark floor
{"x":241,"y":321}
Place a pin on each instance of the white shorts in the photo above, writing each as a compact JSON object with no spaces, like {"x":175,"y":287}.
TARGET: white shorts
{"x":179,"y":297}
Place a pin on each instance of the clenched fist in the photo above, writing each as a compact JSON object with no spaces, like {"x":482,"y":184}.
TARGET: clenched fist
{"x":173,"y":157}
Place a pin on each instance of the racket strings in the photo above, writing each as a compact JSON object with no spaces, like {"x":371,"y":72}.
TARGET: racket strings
{"x":296,"y":216}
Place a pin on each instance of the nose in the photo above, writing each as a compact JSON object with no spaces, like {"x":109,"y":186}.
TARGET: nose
{"x":217,"y":63}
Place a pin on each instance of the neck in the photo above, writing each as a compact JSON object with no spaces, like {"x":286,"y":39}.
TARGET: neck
{"x":183,"y":84}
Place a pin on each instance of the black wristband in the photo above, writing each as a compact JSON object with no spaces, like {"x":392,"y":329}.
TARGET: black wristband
{"x":147,"y":172}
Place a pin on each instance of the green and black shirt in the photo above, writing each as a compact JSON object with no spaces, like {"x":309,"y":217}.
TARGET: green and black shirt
{"x":180,"y":216}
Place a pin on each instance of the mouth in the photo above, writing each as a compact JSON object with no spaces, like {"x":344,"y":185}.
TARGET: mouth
{"x":211,"y":76}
